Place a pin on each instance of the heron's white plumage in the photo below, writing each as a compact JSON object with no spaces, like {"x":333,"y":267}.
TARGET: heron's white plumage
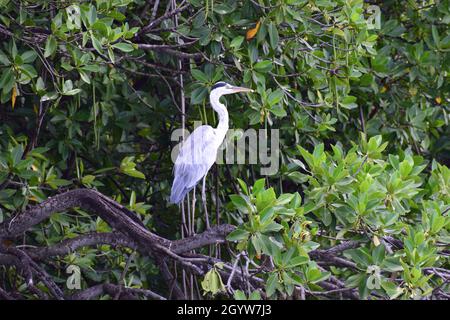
{"x":198,"y":153}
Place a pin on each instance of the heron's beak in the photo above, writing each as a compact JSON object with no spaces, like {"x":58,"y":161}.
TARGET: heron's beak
{"x":241,"y":89}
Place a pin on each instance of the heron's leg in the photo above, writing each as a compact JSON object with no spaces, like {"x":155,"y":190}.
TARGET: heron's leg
{"x":192,"y":226}
{"x":204,"y":202}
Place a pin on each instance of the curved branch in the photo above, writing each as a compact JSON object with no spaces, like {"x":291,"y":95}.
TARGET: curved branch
{"x":330,"y":255}
{"x":214,"y":235}
{"x":129,"y":232}
{"x":112,"y":290}
{"x":86,"y":240}
{"x":155,"y":22}
{"x":168,"y":50}
{"x":133,"y":232}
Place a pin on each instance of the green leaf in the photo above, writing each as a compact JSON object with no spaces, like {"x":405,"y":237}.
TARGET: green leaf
{"x":243,"y":186}
{"x":278,"y":111}
{"x":349,"y":102}
{"x":273,"y":35}
{"x":275,"y":97}
{"x":212,"y":283}
{"x":28,"y":56}
{"x":362,"y":288}
{"x":391,"y":289}
{"x":49,"y":96}
{"x":133,"y":199}
{"x":285,"y":198}
{"x":134,"y":173}
{"x":91,"y":68}
{"x":101,"y":27}
{"x":263,"y":66}
{"x":297,"y":261}
{"x":124,"y":47}
{"x":4,"y":59}
{"x":223,"y":8}
{"x":239,"y":202}
{"x":71,"y":92}
{"x":265,"y":198}
{"x":84,"y":76}
{"x":88,"y":179}
{"x":127,"y":166}
{"x":198,"y":95}
{"x":28,"y":70}
{"x":111,"y":55}
{"x":255,"y":295}
{"x":96,"y":44}
{"x":7,"y":80}
{"x":271,"y":284}
{"x":314,"y":275}
{"x":239,"y":295}
{"x":237,"y":42}
{"x":405,"y":168}
{"x":318,"y":152}
{"x":92,"y":14}
{"x":55,"y":183}
{"x":16,"y":154}
{"x":50,"y":46}
{"x":378,"y":254}
{"x":199,"y":75}
{"x":238,"y":235}
{"x":360,"y":256}
{"x":267,"y":214}
{"x":258,"y":186}
{"x":271,"y":227}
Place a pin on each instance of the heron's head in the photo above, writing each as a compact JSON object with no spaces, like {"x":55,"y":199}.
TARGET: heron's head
{"x":222,"y":88}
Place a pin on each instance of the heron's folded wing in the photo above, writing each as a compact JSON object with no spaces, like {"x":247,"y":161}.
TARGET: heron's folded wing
{"x":197,"y":154}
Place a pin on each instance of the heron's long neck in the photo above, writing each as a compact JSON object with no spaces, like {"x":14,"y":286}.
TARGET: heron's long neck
{"x":221,"y":111}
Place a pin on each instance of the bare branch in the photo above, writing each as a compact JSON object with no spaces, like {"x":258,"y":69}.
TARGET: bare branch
{"x":162,"y":18}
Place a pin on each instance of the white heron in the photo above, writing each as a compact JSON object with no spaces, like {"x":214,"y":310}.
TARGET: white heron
{"x":198,"y":153}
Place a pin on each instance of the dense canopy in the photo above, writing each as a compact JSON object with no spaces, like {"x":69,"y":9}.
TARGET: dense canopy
{"x":93,"y":95}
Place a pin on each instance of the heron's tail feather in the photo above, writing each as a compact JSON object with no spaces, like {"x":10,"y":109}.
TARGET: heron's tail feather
{"x":178,"y":192}
{"x":177,"y":197}
{"x":186,"y":177}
